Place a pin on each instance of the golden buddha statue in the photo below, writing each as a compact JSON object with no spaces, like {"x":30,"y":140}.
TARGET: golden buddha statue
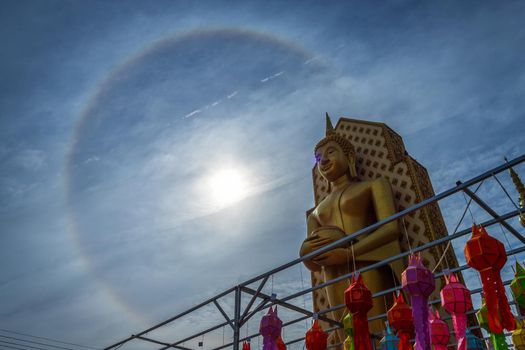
{"x":350,"y":206}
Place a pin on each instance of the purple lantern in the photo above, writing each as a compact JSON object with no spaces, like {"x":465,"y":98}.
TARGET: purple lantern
{"x":270,"y":329}
{"x":419,"y":282}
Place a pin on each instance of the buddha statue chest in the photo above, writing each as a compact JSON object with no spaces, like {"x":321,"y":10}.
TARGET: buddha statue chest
{"x":350,"y":208}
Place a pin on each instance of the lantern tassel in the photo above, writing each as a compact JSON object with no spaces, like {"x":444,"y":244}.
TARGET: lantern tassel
{"x":420,"y":312}
{"x":459,"y":321}
{"x":361,"y":332}
{"x":404,"y":341}
{"x":499,"y":342}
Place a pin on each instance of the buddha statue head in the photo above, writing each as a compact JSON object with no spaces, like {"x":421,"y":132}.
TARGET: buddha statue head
{"x":335,"y":155}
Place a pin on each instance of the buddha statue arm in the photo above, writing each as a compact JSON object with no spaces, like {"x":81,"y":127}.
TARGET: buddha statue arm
{"x":384,"y":206}
{"x":311,"y":243}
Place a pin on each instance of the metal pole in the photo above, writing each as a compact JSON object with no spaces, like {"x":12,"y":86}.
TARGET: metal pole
{"x":179,"y":315}
{"x":394,"y":217}
{"x":493,"y":213}
{"x":237,"y":318}
{"x":324,"y":249}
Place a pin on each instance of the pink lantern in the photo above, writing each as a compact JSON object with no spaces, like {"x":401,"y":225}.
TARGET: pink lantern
{"x":456,"y":299}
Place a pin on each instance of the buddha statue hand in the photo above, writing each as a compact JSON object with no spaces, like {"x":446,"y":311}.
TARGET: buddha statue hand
{"x":321,"y":237}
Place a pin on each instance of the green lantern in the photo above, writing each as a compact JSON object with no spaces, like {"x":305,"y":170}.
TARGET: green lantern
{"x":349,"y":330}
{"x":498,"y":340}
{"x":518,"y":285}
{"x":347,"y":324}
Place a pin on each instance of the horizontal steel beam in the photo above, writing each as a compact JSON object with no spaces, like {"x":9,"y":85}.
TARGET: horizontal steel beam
{"x":208,"y":330}
{"x":394,"y":217}
{"x":493,"y":213}
{"x":344,"y":240}
{"x":399,"y":256}
{"x":161,"y":343}
{"x":169,"y":320}
{"x":293,"y":307}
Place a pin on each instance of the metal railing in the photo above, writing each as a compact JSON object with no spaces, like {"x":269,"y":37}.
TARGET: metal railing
{"x":240,"y":317}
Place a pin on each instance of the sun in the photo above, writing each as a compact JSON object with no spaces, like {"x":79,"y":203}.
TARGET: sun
{"x":228,"y":186}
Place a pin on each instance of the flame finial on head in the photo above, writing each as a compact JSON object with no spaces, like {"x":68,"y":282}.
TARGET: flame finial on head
{"x":329,"y":126}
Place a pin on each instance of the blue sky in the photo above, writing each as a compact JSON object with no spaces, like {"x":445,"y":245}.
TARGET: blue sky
{"x":115,"y":115}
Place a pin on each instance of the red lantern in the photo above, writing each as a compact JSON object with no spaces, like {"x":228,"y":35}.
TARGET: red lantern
{"x":358,"y":300}
{"x":280,"y":343}
{"x":456,"y":299}
{"x":246,"y":345}
{"x":316,"y":338}
{"x":401,"y":319}
{"x":439,"y":332}
{"x":487,"y":255}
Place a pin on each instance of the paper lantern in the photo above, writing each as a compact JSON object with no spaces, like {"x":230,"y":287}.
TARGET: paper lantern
{"x":358,"y":300}
{"x":270,"y":329}
{"x":400,"y":318}
{"x":517,"y":286}
{"x":518,"y":336}
{"x":439,"y":332}
{"x":498,"y":340}
{"x":348,"y":344}
{"x":246,"y":345}
{"x":347,"y":324}
{"x":316,"y":338}
{"x":390,"y":341}
{"x":280,"y":343}
{"x":456,"y":299}
{"x":418,"y":282}
{"x":473,"y":342}
{"x":487,"y":255}
{"x":348,"y":327}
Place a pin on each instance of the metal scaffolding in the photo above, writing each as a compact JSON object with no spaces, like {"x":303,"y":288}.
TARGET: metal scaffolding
{"x":259,"y":301}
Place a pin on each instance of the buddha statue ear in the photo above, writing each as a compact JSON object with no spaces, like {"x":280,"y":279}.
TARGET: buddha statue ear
{"x":351,"y":166}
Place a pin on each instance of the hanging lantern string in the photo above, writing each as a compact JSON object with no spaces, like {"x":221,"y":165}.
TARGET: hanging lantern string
{"x":468,"y":207}
{"x":406,"y":235}
{"x":444,"y":256}
{"x":507,"y":193}
{"x":304,"y":295}
{"x":508,"y":243}
{"x":393,"y":277}
{"x":353,"y":255}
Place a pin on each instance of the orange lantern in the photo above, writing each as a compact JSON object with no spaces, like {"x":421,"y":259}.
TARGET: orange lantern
{"x":401,"y":319}
{"x":316,"y":338}
{"x":487,"y":255}
{"x":358,"y":300}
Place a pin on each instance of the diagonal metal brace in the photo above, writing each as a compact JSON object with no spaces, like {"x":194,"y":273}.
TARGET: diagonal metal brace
{"x":254,"y":297}
{"x":259,"y":307}
{"x":161,"y":343}
{"x":293,"y":307}
{"x":224,"y":314}
{"x":492,"y":213}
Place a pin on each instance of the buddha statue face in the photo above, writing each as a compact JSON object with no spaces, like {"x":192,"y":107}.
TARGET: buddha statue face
{"x":331,"y":161}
